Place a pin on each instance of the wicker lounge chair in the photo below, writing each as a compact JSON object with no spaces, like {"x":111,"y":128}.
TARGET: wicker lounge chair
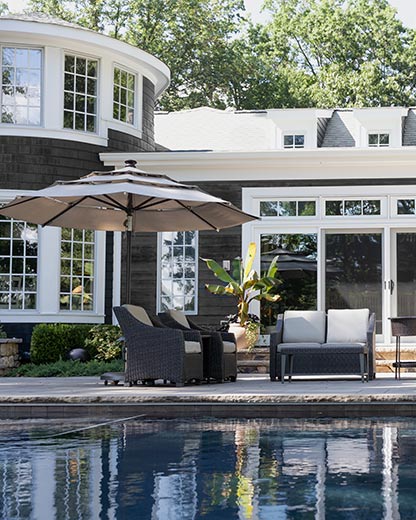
{"x":220,"y":351}
{"x":157,"y":352}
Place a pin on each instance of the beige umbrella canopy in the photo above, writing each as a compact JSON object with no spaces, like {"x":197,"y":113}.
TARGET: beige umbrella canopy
{"x":128,"y":200}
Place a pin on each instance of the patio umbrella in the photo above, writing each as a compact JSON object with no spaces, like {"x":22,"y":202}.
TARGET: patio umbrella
{"x":129,"y":200}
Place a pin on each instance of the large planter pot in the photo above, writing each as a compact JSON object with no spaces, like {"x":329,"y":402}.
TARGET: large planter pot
{"x":244,"y":339}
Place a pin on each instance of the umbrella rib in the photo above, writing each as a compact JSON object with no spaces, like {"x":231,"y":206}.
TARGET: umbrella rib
{"x":196,"y":215}
{"x":114,"y":203}
{"x":70,"y":206}
{"x":145,"y":205}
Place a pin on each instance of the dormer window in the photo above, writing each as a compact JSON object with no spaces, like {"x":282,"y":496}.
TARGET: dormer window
{"x":376,"y":140}
{"x":294,"y":141}
{"x":80,"y":93}
{"x":21,"y":85}
{"x":124,"y":94}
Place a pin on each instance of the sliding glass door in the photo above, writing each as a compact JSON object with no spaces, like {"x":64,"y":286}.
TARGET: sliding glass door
{"x":353,"y":272}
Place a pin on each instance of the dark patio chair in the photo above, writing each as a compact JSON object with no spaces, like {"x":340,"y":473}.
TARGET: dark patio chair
{"x":220,"y":351}
{"x":154,"y":351}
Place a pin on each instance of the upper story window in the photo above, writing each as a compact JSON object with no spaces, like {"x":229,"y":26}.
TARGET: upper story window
{"x":351,"y":208}
{"x":80,"y":93}
{"x":287,"y":208}
{"x":21,"y":85}
{"x":293,"y":141}
{"x":124,"y":93}
{"x":378,"y":140}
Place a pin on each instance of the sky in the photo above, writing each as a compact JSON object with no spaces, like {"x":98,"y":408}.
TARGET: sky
{"x":406,"y":9}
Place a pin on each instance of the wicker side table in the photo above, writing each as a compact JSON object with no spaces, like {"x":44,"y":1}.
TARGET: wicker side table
{"x":402,"y":326}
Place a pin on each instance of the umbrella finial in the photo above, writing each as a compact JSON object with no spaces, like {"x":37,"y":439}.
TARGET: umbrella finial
{"x":131,"y":162}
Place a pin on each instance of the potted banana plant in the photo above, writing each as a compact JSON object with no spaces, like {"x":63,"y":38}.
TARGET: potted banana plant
{"x":246,"y":286}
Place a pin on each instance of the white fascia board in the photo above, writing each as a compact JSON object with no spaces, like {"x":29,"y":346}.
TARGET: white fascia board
{"x":55,"y":34}
{"x":334,"y":163}
{"x":65,"y":134}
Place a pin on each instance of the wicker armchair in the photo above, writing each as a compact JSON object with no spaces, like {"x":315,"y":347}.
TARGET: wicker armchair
{"x":158,"y":352}
{"x":220,"y":351}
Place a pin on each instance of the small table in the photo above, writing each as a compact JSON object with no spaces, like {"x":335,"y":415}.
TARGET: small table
{"x":402,"y":326}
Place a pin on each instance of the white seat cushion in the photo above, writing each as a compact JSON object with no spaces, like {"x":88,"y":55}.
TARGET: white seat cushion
{"x":139,"y":313}
{"x":192,"y":347}
{"x":347,"y":325}
{"x":180,"y":317}
{"x":229,"y":347}
{"x":304,"y":327}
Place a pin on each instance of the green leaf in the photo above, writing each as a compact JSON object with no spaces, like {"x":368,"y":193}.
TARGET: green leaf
{"x":248,"y":262}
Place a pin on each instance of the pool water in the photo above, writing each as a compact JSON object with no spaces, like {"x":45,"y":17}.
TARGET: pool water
{"x":212,"y":469}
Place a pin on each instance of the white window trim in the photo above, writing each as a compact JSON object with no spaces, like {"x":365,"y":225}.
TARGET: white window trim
{"x":42,"y":85}
{"x":137,"y":97}
{"x":48,"y":289}
{"x":387,"y":223}
{"x":290,"y":133}
{"x":379,"y":132}
{"x":159,"y":279}
{"x":77,"y":54}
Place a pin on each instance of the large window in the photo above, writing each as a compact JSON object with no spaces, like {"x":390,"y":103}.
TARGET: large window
{"x":77,"y":270}
{"x":287,"y":208}
{"x":178,"y":271}
{"x":21,"y":85}
{"x":124,"y":96}
{"x":80,"y":93}
{"x":18,"y":264}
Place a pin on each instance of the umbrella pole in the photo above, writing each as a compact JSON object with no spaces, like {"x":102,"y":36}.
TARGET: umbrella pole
{"x":128,"y":266}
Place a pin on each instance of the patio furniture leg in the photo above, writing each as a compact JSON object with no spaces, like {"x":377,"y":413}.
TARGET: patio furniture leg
{"x":291,"y":359}
{"x":283,"y":368}
{"x":362,"y":367}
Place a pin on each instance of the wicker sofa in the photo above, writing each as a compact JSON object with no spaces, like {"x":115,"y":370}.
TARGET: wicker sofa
{"x":340,"y":342}
{"x":220,"y":350}
{"x":154,"y":351}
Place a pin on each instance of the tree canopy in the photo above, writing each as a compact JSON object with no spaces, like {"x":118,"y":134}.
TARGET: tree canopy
{"x":311,"y":53}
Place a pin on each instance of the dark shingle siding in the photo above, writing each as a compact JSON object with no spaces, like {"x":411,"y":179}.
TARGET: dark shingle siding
{"x":322,"y":124}
{"x":338,"y":131}
{"x":409,"y":128}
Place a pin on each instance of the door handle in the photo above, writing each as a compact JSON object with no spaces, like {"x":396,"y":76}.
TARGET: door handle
{"x":389,"y":284}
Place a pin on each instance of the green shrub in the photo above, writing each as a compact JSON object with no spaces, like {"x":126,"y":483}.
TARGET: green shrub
{"x":68,"y":369}
{"x":103,"y":341}
{"x":3,"y":333}
{"x":53,"y":341}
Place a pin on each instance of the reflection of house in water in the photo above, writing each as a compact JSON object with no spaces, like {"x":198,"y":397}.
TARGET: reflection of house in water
{"x":220,"y":469}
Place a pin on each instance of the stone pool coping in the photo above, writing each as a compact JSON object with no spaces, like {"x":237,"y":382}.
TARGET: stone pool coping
{"x":251,"y":396}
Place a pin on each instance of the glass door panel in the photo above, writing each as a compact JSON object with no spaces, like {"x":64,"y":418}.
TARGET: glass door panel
{"x":297,"y":270}
{"x":353,"y":272}
{"x":406,"y":274}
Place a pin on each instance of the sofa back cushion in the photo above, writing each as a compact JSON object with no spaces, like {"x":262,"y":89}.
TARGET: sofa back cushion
{"x":180,"y":317}
{"x":304,"y":327}
{"x":347,"y":325}
{"x":139,"y":313}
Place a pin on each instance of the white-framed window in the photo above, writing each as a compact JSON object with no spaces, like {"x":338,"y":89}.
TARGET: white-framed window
{"x":21,"y":85}
{"x":405,"y":206}
{"x":178,"y":271}
{"x":294,"y":141}
{"x":352,"y":207}
{"x":18,"y":264}
{"x":80,"y":93}
{"x":378,"y":140}
{"x":124,"y":96}
{"x":287,"y":208}
{"x":77,"y":270}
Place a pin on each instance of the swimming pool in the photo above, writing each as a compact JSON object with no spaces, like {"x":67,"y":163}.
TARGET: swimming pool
{"x":212,"y":469}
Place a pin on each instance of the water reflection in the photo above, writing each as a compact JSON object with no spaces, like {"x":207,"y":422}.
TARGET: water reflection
{"x":172,"y":470}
